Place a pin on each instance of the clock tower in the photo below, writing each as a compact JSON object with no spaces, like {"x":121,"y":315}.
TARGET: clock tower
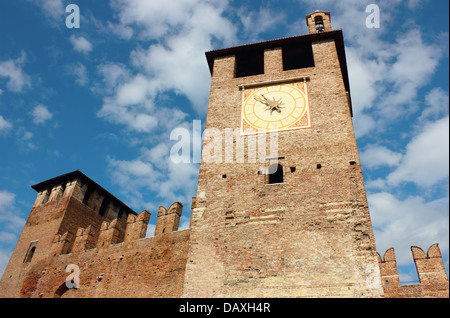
{"x":293,"y":224}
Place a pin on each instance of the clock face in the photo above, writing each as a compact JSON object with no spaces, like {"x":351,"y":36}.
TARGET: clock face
{"x":275,"y":108}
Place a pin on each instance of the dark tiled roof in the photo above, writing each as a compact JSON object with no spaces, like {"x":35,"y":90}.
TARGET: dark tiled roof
{"x":78,"y":174}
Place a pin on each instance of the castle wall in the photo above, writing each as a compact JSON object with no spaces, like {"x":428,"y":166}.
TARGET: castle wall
{"x":430,"y":268}
{"x":149,"y":267}
{"x":108,"y":247}
{"x":309,"y":236}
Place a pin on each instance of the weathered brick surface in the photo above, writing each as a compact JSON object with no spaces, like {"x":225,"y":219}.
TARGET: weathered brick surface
{"x":149,"y":267}
{"x":432,"y":275}
{"x":310,"y":236}
{"x":113,"y":256}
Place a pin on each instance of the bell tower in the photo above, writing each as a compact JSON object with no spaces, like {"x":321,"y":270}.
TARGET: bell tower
{"x":319,"y":21}
{"x":290,"y":223}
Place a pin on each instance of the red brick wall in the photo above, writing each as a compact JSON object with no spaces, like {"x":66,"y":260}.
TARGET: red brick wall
{"x":310,"y":236}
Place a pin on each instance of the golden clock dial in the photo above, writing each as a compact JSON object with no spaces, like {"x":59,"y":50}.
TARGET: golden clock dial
{"x":275,"y":107}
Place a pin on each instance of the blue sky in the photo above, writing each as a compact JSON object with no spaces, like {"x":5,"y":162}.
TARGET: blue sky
{"x":104,"y":98}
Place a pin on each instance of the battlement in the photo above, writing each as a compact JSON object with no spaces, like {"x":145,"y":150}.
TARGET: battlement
{"x":430,"y":268}
{"x":76,"y":221}
{"x":306,"y":234}
{"x":111,"y":232}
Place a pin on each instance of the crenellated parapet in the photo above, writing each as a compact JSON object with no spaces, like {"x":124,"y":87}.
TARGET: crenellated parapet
{"x":61,"y":244}
{"x":137,"y":226}
{"x":168,"y":219}
{"x":430,"y":268}
{"x":388,"y":269}
{"x":109,"y":233}
{"x":116,"y":231}
{"x":85,"y":239}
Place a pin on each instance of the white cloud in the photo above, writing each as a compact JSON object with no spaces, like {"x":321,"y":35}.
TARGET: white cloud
{"x":4,"y":125}
{"x":53,"y":8}
{"x":415,"y":62}
{"x":257,"y":22}
{"x":384,"y":74}
{"x":363,"y":74}
{"x":12,"y":70}
{"x":11,"y":222}
{"x":377,"y":184}
{"x":385,"y":83}
{"x":188,"y":24}
{"x":155,"y":19}
{"x":6,"y":200}
{"x":41,"y":114}
{"x":154,"y":171}
{"x":409,"y":222}
{"x":9,"y":214}
{"x":79,"y":71}
{"x":7,"y":237}
{"x":113,"y":75}
{"x":437,"y":102}
{"x":375,"y":156}
{"x":81,"y":44}
{"x":363,"y":124}
{"x":427,"y":157}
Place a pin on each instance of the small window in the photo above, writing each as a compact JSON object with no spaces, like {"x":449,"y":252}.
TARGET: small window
{"x":249,"y":63}
{"x":30,"y":252}
{"x":297,"y":56}
{"x":104,"y":207}
{"x":87,"y":195}
{"x":293,"y":169}
{"x":277,"y":174}
{"x":319,"y":166}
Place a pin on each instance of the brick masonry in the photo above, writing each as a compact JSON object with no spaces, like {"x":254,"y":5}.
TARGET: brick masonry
{"x":310,"y":236}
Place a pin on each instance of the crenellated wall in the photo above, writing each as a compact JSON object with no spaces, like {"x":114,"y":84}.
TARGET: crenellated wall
{"x":75,"y":222}
{"x":430,"y":268}
{"x":133,"y":267}
{"x":114,"y":258}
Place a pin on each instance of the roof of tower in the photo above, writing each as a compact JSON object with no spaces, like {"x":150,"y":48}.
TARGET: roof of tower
{"x":77,"y":174}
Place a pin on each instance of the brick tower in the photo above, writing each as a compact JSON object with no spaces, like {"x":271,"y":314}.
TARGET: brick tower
{"x":292,"y":224}
{"x":63,"y":205}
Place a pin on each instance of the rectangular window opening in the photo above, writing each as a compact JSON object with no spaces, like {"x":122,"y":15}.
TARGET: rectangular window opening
{"x":297,"y":56}
{"x":104,"y":207}
{"x":87,"y":195}
{"x":249,"y":63}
